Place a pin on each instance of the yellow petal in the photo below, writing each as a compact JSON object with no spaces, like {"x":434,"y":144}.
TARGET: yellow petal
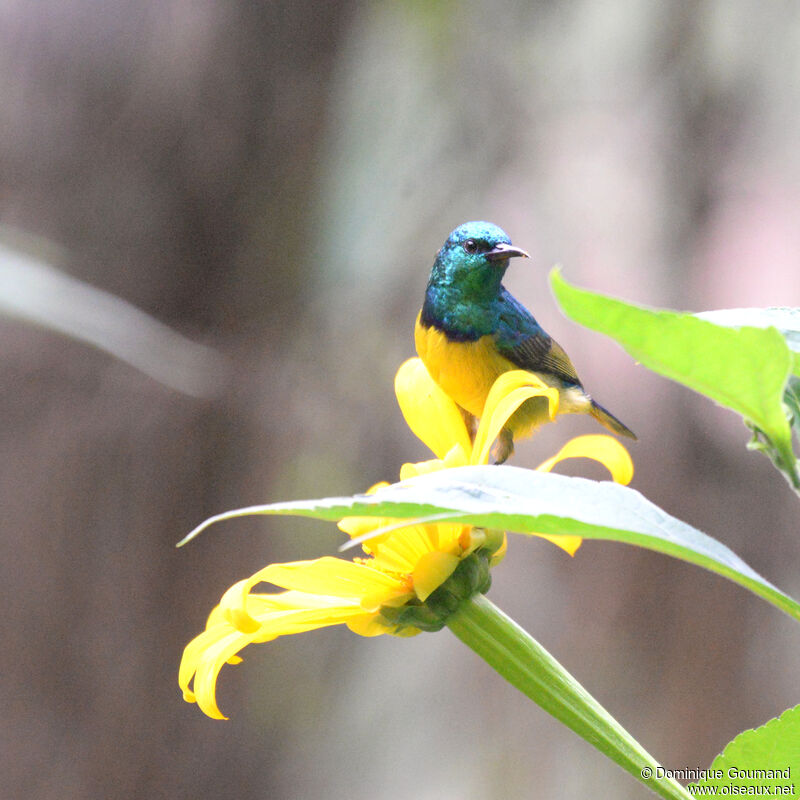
{"x":456,"y":457}
{"x":500,"y":553}
{"x":402,"y":549}
{"x":191,"y":656}
{"x":507,"y":394}
{"x":331,"y":577}
{"x":246,"y":611}
{"x":449,"y":536}
{"x":208,"y":666}
{"x":205,"y":656}
{"x":432,"y":570}
{"x":420,"y":468}
{"x":368,"y":625}
{"x":356,"y":526}
{"x":299,"y":620}
{"x":568,"y":543}
{"x":234,"y":607}
{"x":335,"y":577}
{"x":429,"y":412}
{"x":605,"y":449}
{"x":216,"y":617}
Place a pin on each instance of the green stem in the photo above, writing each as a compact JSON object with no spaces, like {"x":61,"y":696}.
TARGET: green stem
{"x":524,"y":663}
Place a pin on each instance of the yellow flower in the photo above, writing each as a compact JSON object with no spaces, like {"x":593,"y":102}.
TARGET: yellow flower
{"x":384,"y":593}
{"x":414,"y":573}
{"x":437,"y":421}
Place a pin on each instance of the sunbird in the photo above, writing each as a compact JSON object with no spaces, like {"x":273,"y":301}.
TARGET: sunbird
{"x":471,"y":330}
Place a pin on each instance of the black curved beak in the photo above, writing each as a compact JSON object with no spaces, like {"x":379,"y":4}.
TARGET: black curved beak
{"x":502,"y":251}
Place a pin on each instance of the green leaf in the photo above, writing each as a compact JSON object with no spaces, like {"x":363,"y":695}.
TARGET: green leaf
{"x":792,"y":399}
{"x":768,"y":756}
{"x":740,"y":358}
{"x":786,"y":320}
{"x":524,"y":501}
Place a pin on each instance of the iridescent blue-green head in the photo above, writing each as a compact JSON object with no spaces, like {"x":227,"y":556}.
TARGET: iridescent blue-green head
{"x":465,"y":281}
{"x":473,"y":260}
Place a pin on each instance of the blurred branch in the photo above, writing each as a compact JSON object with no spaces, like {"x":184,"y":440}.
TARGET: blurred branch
{"x":43,"y":295}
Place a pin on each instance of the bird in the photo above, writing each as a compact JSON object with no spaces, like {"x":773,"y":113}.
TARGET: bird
{"x":471,"y":330}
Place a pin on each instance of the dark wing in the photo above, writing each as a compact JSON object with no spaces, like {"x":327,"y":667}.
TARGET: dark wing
{"x":539,"y":353}
{"x":522,"y":341}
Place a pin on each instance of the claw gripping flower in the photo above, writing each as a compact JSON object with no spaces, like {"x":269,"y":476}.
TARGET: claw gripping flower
{"x":414,"y":574}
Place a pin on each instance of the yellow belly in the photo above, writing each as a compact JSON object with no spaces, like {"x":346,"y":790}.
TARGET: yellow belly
{"x":464,"y":370}
{"x":467,"y":370}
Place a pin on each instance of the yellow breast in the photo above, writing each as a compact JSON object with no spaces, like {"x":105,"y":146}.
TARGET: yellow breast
{"x":464,"y":370}
{"x":467,"y":370}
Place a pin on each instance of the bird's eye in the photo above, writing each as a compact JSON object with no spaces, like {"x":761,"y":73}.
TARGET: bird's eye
{"x":471,"y":246}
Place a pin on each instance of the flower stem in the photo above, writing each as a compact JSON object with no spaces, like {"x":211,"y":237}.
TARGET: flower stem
{"x":524,"y":663}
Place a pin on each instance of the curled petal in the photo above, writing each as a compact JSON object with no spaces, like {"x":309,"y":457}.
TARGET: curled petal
{"x":208,"y":664}
{"x":191,"y":657}
{"x":429,"y":412}
{"x":283,"y":613}
{"x":234,"y":607}
{"x":599,"y":447}
{"x":326,"y":577}
{"x":507,"y":394}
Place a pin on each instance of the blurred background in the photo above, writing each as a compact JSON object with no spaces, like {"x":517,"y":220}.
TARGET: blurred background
{"x":271,"y":181}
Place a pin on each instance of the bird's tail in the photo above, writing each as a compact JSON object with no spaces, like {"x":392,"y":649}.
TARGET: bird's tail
{"x":608,"y":420}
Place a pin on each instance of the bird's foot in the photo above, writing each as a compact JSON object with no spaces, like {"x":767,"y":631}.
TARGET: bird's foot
{"x":503,"y":447}
{"x":471,"y":422}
